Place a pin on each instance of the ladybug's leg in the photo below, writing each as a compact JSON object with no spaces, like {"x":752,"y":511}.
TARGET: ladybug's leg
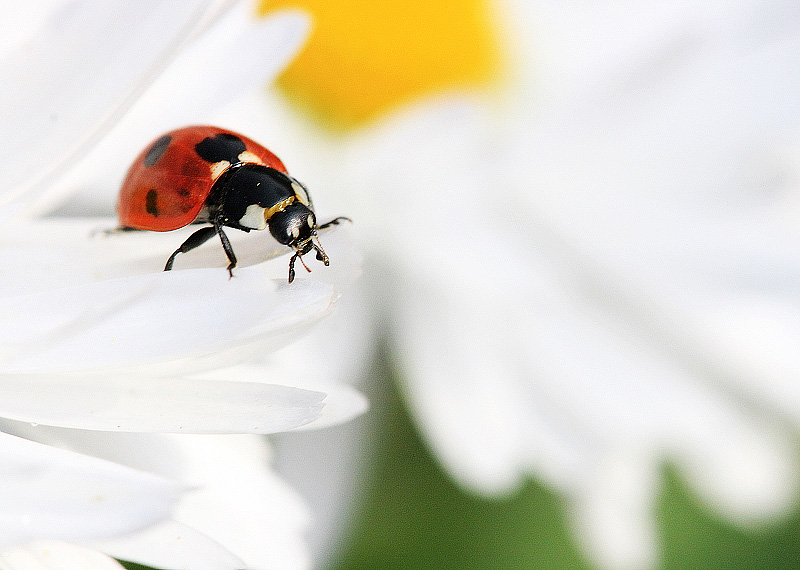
{"x":226,"y":245}
{"x":334,"y":222}
{"x":199,"y":237}
{"x":112,"y":231}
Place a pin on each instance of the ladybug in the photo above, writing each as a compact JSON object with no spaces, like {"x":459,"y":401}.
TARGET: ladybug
{"x":208,"y":175}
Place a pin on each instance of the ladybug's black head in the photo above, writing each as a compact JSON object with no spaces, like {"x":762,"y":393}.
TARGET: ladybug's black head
{"x":296,"y":226}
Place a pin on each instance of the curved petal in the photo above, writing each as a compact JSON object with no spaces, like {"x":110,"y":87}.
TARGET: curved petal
{"x":85,"y":68}
{"x":747,"y":471}
{"x":614,"y":512}
{"x":147,"y":317}
{"x":241,"y":503}
{"x":237,"y":509}
{"x":58,"y":494}
{"x":171,"y":545}
{"x":166,"y":404}
{"x":46,"y":555}
{"x":341,"y":403}
{"x":152,"y":321}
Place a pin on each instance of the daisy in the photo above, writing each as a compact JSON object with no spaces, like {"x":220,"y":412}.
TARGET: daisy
{"x":132,"y":399}
{"x":593,"y":272}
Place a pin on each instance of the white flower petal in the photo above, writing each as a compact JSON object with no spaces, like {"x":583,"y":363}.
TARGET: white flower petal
{"x":85,"y":68}
{"x":171,"y":545}
{"x":238,"y":56}
{"x":149,"y":318}
{"x":22,"y":21}
{"x":53,"y":493}
{"x":52,"y":555}
{"x":749,"y":472}
{"x":166,"y":404}
{"x":143,"y":321}
{"x":462,"y":401}
{"x":241,"y":504}
{"x":338,"y":350}
{"x":614,"y":512}
{"x":337,"y":403}
{"x":343,"y":453}
{"x":342,"y":404}
{"x":234,"y":498}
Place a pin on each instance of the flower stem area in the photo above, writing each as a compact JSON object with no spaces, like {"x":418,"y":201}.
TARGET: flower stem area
{"x":414,"y":517}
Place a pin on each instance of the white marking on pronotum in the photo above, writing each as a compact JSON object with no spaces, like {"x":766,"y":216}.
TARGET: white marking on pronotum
{"x":301,"y":192}
{"x":254,"y":218}
{"x":218,"y":168}
{"x":248,"y":156}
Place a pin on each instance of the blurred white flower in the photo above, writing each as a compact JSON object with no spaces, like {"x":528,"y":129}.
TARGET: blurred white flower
{"x":599,"y":272}
{"x":107,"y":363}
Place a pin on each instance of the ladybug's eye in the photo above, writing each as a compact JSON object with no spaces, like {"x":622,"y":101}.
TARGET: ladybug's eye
{"x":310,"y":221}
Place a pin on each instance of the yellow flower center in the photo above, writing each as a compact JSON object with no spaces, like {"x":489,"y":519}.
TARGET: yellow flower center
{"x":366,"y":57}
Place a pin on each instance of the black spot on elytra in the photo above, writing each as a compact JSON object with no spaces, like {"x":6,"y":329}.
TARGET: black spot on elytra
{"x":223,"y":146}
{"x":155,"y":151}
{"x":150,"y":203}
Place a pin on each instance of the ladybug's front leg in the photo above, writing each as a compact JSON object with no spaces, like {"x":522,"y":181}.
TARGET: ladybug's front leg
{"x":226,"y":245}
{"x":334,"y":222}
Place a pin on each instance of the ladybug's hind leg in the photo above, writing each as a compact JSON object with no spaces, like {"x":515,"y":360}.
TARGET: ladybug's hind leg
{"x":112,"y":231}
{"x":198,"y":238}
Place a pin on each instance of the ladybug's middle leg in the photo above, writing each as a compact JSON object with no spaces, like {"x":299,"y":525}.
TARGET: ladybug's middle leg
{"x":198,"y":238}
{"x":226,"y":245}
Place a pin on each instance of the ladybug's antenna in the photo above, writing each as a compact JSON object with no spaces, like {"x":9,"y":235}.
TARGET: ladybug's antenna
{"x":321,"y":255}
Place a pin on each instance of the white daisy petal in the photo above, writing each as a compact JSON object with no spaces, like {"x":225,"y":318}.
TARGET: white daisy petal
{"x":240,"y":503}
{"x":171,"y":545}
{"x":147,"y":319}
{"x":22,"y":21}
{"x":748,"y":472}
{"x":341,"y":403}
{"x":236,"y":509}
{"x":167,"y":404}
{"x":86,"y":67}
{"x":165,"y":323}
{"x":236,"y":57}
{"x":614,"y":512}
{"x":53,"y":555}
{"x":47,"y":492}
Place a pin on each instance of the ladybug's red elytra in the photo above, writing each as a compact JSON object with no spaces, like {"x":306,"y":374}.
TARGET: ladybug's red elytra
{"x":208,"y":175}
